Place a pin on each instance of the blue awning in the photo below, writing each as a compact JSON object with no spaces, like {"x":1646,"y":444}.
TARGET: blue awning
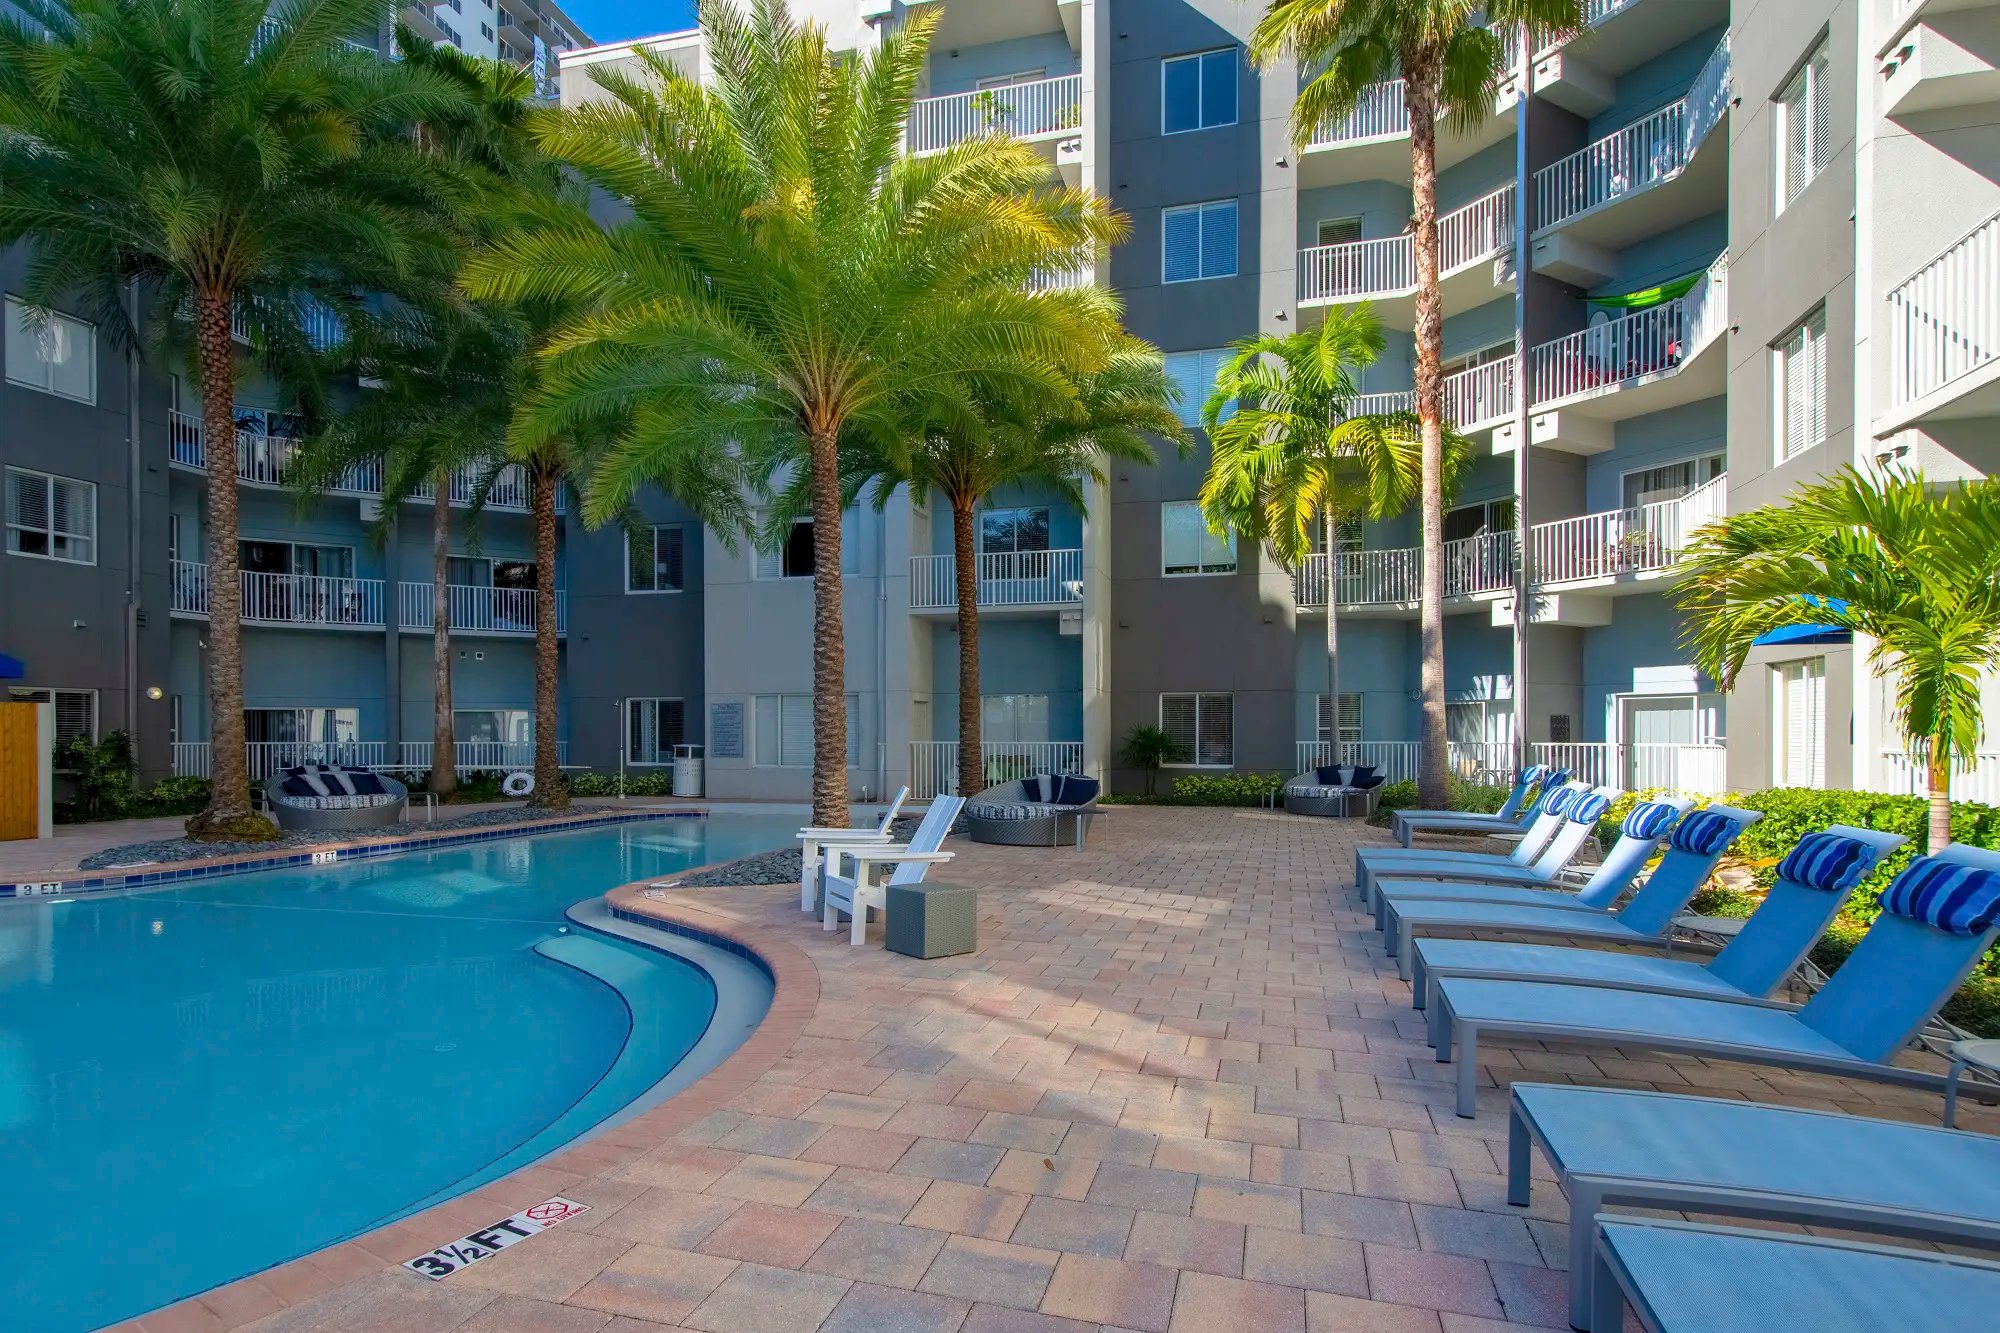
{"x":1810,"y":633}
{"x":11,"y":668}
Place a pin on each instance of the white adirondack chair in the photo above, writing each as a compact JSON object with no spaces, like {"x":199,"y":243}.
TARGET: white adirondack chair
{"x":813,"y":843}
{"x":853,"y":868}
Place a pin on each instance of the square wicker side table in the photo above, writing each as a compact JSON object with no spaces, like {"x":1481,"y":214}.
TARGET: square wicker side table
{"x":931,"y":920}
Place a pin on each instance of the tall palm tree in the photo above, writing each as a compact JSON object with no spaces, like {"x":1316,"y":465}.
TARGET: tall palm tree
{"x":244,"y":168}
{"x":1451,"y":62}
{"x":1912,"y":565}
{"x":1289,"y":463}
{"x":787,"y":277}
{"x":1062,"y":442}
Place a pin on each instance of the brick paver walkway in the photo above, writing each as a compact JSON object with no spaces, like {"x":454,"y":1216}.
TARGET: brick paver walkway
{"x":1178,"y":1088}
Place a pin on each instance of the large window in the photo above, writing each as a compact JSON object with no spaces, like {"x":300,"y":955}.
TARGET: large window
{"x":1193,"y":373}
{"x":793,"y":559}
{"x":1804,"y":125}
{"x":1011,"y":531}
{"x":1338,"y":231}
{"x":1669,"y":481}
{"x":75,"y":711}
{"x":1198,"y":241}
{"x":653,"y":727}
{"x":493,"y":726}
{"x":1013,"y":718}
{"x":785,"y":731}
{"x":1479,"y":520}
{"x":1798,"y":386}
{"x":51,"y":518}
{"x":1198,"y":92}
{"x":1187,"y":547}
{"x":654,"y":559}
{"x":1203,"y":725}
{"x":299,"y":726}
{"x":1799,"y":699}
{"x":1350,"y":718}
{"x":55,"y":354}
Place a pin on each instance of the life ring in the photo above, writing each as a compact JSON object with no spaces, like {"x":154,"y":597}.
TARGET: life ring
{"x":518,"y":783}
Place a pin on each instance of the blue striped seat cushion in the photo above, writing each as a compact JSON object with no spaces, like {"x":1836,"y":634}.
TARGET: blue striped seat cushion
{"x":1704,"y":833}
{"x":1560,"y":802}
{"x":1588,"y":808}
{"x":1649,"y":820}
{"x":1964,"y":900}
{"x":1827,"y":861}
{"x":1532,"y":774}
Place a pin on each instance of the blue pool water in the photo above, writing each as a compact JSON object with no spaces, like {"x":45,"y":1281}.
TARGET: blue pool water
{"x":202,"y":1082}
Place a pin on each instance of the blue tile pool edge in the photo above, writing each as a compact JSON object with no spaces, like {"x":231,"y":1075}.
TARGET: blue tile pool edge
{"x":42,"y":890}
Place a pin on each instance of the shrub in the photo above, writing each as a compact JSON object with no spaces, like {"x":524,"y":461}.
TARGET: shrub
{"x":1397,"y":795}
{"x":593,"y":784}
{"x":176,"y":796}
{"x":101,"y":776}
{"x":1146,"y":748}
{"x":1225,"y":788}
{"x":1472,"y":797}
{"x":647,"y":784}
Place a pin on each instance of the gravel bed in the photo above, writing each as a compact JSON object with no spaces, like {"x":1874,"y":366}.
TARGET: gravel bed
{"x":170,"y":850}
{"x":777,"y":867}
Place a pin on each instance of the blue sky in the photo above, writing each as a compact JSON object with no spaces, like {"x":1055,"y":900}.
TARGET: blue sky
{"x":616,"y":20}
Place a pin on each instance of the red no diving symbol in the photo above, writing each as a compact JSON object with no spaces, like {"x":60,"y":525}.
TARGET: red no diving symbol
{"x":555,"y":1210}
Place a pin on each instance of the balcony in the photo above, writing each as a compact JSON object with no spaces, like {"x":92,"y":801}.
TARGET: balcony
{"x":477,"y":609}
{"x":1477,"y":399}
{"x":1944,"y":334}
{"x":1944,"y":55}
{"x":1476,"y":568}
{"x":265,"y":758}
{"x":1472,"y":244}
{"x":475,"y":756}
{"x":1371,"y":142}
{"x":1624,"y":546}
{"x":1008,"y":580}
{"x":306,"y":600}
{"x":1580,"y":74}
{"x":934,"y":764}
{"x":1041,"y":111}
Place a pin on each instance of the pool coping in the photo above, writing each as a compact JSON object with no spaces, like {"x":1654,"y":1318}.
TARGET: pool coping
{"x":321,"y":853}
{"x":571,"y":1170}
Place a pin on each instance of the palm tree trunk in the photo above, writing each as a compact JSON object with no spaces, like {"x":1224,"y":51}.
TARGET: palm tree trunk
{"x":971,"y":765}
{"x":1422,"y":106}
{"x":228,"y":815}
{"x":550,"y":793}
{"x":829,"y":649}
{"x":1333,"y":637}
{"x":444,"y":741}
{"x":1938,"y":770}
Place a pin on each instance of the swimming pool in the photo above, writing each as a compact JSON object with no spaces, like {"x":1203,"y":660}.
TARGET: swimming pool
{"x":198,"y":1083}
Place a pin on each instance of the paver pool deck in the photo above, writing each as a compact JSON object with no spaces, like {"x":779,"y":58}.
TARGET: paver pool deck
{"x":1178,"y":1089}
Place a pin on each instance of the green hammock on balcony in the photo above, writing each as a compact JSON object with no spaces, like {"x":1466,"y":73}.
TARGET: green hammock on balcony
{"x":1651,"y":296}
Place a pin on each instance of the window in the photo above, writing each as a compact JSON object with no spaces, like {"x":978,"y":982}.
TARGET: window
{"x":1670,"y":481}
{"x":785,"y":732}
{"x":1798,"y":386}
{"x":1198,"y":92}
{"x":793,"y":559}
{"x":269,"y":557}
{"x":1188,"y":547}
{"x":305,"y":725}
{"x":1479,"y":520}
{"x":1799,"y":690}
{"x":1013,"y":718}
{"x":653,"y":560}
{"x":1339,"y":231}
{"x":486,"y":31}
{"x":653,"y":727}
{"x":1203,"y":725}
{"x":1350,"y":718}
{"x":1199,"y":241}
{"x":1011,"y":531}
{"x":1346,"y":532}
{"x":56,"y":354}
{"x":75,"y":710}
{"x":51,"y":518}
{"x":1804,"y":126}
{"x":493,"y":726}
{"x":1193,"y":374}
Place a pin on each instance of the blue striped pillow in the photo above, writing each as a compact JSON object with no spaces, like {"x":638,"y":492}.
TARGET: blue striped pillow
{"x":1588,"y":808}
{"x":1829,"y":861}
{"x":1704,"y":833}
{"x":1649,"y":820}
{"x":1532,"y":774}
{"x":1964,"y":900}
{"x":1561,"y":800}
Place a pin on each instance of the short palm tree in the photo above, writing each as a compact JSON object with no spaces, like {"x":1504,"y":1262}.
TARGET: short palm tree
{"x":787,"y":277}
{"x":1451,"y":62}
{"x":1912,"y":565}
{"x":1290,"y":463}
{"x":242,"y":167}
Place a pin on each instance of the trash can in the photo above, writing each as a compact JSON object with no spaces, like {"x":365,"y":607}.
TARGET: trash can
{"x":687,"y":770}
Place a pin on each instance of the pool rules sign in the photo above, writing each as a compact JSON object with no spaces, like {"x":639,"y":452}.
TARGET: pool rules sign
{"x":489,"y":1241}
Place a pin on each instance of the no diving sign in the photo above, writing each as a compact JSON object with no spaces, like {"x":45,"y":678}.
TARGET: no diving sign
{"x":484,"y":1244}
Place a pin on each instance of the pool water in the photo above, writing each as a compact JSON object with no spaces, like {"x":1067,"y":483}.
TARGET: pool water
{"x":199,"y":1083}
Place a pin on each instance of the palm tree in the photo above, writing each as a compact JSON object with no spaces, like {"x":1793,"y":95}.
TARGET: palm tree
{"x":1912,"y":565}
{"x":788,"y":278}
{"x":1289,"y":464}
{"x":242,"y":168}
{"x":1451,"y":62}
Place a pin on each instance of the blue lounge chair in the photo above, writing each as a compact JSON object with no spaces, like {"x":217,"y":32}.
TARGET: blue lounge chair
{"x":1373,"y":862}
{"x":1514,"y":815}
{"x":1938,"y":919}
{"x":1684,"y":1278}
{"x":1694,"y":847}
{"x":1657,"y":1150}
{"x":1766,"y":952}
{"x":1548,"y":881}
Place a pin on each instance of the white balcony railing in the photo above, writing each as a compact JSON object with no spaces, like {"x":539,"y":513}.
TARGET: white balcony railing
{"x":934,"y":764}
{"x":1381,"y":112}
{"x":1360,"y":270}
{"x":477,"y":609}
{"x":1006,"y":578}
{"x":285,"y":599}
{"x":1473,"y":399}
{"x":1022,"y":110}
{"x":1979,"y":780}
{"x":1472,"y":565}
{"x":1643,"y":540}
{"x":264,"y":758}
{"x":1059,"y":280}
{"x":509,"y":489}
{"x":1398,"y":760}
{"x":1696,"y":770}
{"x":1636,"y":346}
{"x":475,"y":756}
{"x":1944,"y":319}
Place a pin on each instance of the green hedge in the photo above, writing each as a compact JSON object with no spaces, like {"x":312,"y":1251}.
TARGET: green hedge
{"x":1225,"y":788}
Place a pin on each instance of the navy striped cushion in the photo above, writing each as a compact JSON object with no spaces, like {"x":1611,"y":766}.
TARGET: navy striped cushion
{"x":1827,"y":861}
{"x":1649,"y":820}
{"x":1703,"y":833}
{"x":1532,"y":774}
{"x":1588,"y":808}
{"x":1560,"y":802}
{"x":1964,"y":900}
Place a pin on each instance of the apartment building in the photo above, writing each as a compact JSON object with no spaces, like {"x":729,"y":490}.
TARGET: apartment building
{"x":1693,"y":256}
{"x":531,"y":34}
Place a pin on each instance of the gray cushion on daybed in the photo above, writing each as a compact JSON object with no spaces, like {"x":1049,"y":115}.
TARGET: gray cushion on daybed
{"x":1004,"y":810}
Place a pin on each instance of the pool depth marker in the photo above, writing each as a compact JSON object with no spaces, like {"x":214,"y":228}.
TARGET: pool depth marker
{"x":445,"y":1260}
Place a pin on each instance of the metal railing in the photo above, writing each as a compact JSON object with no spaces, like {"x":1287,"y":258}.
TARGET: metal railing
{"x":1059,"y":280}
{"x":285,"y":599}
{"x":1006,"y":578}
{"x":1694,"y":769}
{"x":1641,"y":540}
{"x":1022,"y":110}
{"x":1944,"y":319}
{"x":477,"y":608}
{"x":1357,"y":270}
{"x":1642,"y":343}
{"x":934,"y":764}
{"x":191,"y":759}
{"x":1473,"y":399}
{"x":1904,"y":774}
{"x":1381,"y":113}
{"x":1398,"y":760}
{"x":1472,"y":565}
{"x":475,"y":756}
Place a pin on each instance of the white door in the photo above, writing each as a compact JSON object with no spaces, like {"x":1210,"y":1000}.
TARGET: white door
{"x":1799,"y":723}
{"x":1654,"y":730}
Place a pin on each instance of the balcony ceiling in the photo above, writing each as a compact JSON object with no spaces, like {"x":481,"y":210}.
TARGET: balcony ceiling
{"x":1641,"y":30}
{"x":1465,"y":289}
{"x":1388,"y":158}
{"x":1700,"y":189}
{"x":977,"y":22}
